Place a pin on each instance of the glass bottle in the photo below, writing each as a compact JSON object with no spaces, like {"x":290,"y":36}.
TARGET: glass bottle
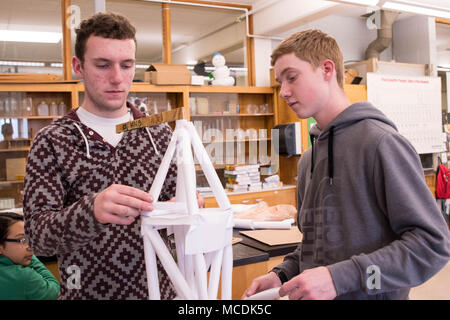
{"x":27,"y":106}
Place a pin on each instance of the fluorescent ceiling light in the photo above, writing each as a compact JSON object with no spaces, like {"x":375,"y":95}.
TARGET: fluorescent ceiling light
{"x":371,"y":3}
{"x":56,"y":65}
{"x":142,"y":66}
{"x":30,"y":36}
{"x":416,"y":9}
{"x":22,"y":63}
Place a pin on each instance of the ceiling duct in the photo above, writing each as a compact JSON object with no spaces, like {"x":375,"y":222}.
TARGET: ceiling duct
{"x":384,"y":32}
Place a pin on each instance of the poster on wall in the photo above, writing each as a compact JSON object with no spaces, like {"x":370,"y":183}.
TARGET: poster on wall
{"x":413,"y":104}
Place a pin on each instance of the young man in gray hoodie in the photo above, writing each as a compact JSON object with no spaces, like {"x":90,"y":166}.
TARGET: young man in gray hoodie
{"x":371,"y":227}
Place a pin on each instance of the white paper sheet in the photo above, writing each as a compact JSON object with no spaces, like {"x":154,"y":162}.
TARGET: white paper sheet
{"x":250,"y":224}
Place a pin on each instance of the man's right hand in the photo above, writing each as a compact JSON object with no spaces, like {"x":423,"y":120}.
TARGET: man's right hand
{"x":262,"y":283}
{"x":120,"y":204}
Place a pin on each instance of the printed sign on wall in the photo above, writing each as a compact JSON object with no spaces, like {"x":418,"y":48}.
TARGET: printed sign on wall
{"x":413,"y":104}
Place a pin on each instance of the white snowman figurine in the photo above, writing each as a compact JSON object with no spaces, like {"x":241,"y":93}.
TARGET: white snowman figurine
{"x":222,"y":73}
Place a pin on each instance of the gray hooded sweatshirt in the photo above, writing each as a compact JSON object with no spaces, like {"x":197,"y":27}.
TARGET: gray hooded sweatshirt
{"x":365,"y":210}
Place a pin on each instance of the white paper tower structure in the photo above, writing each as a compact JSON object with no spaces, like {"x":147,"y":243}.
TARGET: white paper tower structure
{"x":202,"y":236}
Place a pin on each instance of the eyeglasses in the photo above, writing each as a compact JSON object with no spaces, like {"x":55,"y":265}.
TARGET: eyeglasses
{"x":22,"y":241}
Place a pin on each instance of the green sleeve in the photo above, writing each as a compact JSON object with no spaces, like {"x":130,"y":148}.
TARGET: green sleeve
{"x":40,"y":284}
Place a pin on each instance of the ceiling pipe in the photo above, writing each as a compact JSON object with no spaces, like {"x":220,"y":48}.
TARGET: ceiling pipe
{"x":239,"y":19}
{"x":384,"y":32}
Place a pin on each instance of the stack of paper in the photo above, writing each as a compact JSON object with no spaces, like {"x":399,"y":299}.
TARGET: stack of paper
{"x":243,"y":177}
{"x":272,"y":182}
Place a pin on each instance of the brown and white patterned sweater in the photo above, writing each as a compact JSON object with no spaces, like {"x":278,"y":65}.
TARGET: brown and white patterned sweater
{"x":63,"y":177}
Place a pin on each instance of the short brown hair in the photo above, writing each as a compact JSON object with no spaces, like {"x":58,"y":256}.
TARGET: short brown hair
{"x":312,"y":46}
{"x":107,"y":25}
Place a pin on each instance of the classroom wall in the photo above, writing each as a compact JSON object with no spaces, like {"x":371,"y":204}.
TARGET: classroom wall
{"x":444,"y":58}
{"x":352,"y":35}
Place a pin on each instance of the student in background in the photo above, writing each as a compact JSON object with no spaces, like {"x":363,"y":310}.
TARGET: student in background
{"x":22,"y":275}
{"x":371,"y":227}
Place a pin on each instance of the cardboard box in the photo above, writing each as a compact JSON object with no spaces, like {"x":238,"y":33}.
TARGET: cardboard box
{"x":168,"y":74}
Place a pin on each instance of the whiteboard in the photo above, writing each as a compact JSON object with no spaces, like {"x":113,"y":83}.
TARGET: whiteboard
{"x":413,"y":104}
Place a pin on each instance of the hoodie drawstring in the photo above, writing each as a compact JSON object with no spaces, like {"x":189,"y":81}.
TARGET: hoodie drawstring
{"x":330,"y":155}
{"x":151,"y":139}
{"x":312,"y":138}
{"x":85,"y":141}
{"x":88,"y":154}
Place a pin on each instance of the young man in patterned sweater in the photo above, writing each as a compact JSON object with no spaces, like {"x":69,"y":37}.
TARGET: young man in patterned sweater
{"x":86,"y":185}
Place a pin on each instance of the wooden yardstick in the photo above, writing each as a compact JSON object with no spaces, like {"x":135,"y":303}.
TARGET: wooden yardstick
{"x":166,"y":116}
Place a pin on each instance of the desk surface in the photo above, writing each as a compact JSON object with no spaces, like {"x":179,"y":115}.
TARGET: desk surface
{"x":243,"y":255}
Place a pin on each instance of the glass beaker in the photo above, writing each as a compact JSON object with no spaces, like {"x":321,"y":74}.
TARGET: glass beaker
{"x":27,"y":106}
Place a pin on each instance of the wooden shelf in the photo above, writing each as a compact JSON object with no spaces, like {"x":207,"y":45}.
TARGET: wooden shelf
{"x":11,"y":182}
{"x":227,"y":89}
{"x":38,"y":86}
{"x":231,"y":115}
{"x":42,"y":117}
{"x":145,"y":87}
{"x":222,"y":166}
{"x":30,"y":117}
{"x":15,"y":149}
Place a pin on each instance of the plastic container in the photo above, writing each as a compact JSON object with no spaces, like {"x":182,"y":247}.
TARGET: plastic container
{"x":42,"y":109}
{"x":53,"y":109}
{"x":62,"y":109}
